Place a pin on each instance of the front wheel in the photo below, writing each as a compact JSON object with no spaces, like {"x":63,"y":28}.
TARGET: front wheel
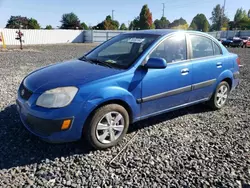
{"x":219,"y":98}
{"x":107,"y":126}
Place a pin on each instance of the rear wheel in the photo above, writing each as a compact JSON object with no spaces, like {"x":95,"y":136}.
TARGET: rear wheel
{"x":107,"y":126}
{"x":219,"y":98}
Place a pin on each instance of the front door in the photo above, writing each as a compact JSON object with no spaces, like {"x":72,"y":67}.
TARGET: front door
{"x":163,"y":89}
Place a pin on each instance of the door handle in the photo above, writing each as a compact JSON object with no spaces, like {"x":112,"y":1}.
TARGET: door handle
{"x":219,"y":65}
{"x":185,"y":71}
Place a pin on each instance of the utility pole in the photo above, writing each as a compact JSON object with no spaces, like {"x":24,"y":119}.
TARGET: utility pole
{"x":223,"y":13}
{"x":163,"y":9}
{"x":113,"y":14}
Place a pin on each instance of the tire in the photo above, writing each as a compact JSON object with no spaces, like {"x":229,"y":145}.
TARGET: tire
{"x":98,"y":131}
{"x":214,"y":101}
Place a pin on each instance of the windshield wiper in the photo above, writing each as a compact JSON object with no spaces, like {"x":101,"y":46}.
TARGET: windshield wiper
{"x":83,"y":58}
{"x":100,"y":62}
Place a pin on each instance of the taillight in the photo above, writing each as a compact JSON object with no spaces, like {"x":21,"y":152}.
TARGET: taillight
{"x":238,"y":61}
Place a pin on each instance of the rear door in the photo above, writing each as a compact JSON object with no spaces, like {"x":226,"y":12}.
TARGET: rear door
{"x":207,"y":64}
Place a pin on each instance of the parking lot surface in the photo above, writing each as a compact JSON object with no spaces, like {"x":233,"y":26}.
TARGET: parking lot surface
{"x":192,"y":147}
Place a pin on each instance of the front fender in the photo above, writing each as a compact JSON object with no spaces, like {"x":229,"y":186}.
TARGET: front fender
{"x":112,"y":93}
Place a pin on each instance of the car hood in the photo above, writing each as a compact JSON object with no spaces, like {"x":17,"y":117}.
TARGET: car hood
{"x":71,"y":73}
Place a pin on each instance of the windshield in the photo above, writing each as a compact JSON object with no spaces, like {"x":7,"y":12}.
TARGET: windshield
{"x":121,"y":51}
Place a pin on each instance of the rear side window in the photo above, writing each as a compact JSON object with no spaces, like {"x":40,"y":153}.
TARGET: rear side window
{"x":217,"y":49}
{"x":202,"y":46}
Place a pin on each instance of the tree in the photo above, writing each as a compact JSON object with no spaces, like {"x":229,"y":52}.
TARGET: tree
{"x":33,"y":24}
{"x":145,"y":19}
{"x":240,"y":14}
{"x":123,"y":27}
{"x":84,"y":26}
{"x":134,"y":25}
{"x":163,"y":23}
{"x":200,"y":23}
{"x":48,"y":27}
{"x":15,"y":22}
{"x":219,"y":20}
{"x":241,"y":20}
{"x":193,"y":26}
{"x":70,"y":21}
{"x":107,"y":24}
{"x":179,"y":24}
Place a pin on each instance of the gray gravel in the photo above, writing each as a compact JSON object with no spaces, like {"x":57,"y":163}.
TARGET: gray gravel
{"x":192,"y":147}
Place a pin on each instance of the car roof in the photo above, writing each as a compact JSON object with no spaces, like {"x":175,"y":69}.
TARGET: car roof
{"x":154,"y":32}
{"x":162,"y":32}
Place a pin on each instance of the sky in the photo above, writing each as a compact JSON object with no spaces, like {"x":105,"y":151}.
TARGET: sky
{"x":49,"y":12}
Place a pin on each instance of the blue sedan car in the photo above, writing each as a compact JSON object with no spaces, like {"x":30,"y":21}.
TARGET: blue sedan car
{"x":131,"y":77}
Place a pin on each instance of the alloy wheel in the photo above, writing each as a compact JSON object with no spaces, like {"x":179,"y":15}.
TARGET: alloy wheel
{"x":110,"y":127}
{"x":222,"y":95}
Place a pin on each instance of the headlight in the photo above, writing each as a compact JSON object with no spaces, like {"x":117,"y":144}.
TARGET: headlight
{"x":57,"y":98}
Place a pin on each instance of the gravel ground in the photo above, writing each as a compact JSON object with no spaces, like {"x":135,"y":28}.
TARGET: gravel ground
{"x":192,"y":147}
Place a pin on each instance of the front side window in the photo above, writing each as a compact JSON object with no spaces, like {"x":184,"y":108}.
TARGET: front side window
{"x":201,"y":46}
{"x":172,"y":49}
{"x":121,"y":51}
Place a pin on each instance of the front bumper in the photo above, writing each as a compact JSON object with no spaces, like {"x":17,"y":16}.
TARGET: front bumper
{"x":43,"y":127}
{"x":47,"y":123}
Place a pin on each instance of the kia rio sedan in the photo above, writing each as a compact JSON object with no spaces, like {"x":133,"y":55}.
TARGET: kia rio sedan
{"x":131,"y":77}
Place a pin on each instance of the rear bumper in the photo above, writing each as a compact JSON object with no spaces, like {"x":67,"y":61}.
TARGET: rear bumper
{"x":236,"y":80}
{"x":236,"y":75}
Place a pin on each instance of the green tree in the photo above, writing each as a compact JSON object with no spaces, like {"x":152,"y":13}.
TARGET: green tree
{"x":218,"y":19}
{"x":145,"y":18}
{"x":15,"y":22}
{"x":33,"y":24}
{"x":193,"y":26}
{"x":123,"y":27}
{"x":163,"y":23}
{"x":48,"y":27}
{"x":199,"y":23}
{"x":241,"y":20}
{"x":84,"y":26}
{"x":179,"y":24}
{"x":240,"y":15}
{"x":107,"y":24}
{"x":70,"y":21}
{"x":134,"y":25}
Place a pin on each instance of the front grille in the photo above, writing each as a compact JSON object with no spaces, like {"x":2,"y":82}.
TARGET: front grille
{"x":24,"y":92}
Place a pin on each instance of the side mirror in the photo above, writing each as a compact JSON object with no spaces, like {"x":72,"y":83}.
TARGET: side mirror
{"x":156,"y":63}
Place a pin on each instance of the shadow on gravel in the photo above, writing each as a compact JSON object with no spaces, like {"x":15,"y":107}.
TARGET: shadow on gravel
{"x":19,"y":147}
{"x":199,"y":108}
